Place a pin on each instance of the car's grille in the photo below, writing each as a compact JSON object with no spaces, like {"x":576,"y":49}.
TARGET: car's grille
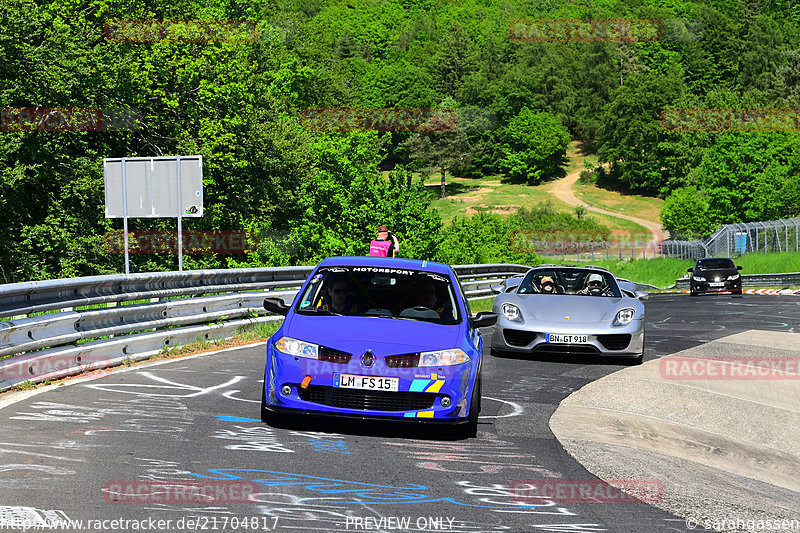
{"x":516,"y":337}
{"x":367,"y":399}
{"x":615,"y":342}
{"x":402,"y":361}
{"x":333,"y":356}
{"x":577,"y":349}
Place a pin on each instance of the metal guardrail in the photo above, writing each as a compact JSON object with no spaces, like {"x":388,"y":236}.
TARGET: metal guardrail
{"x":756,"y":280}
{"x":164,"y":309}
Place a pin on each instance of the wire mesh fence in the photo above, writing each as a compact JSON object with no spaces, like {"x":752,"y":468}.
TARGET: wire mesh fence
{"x":731,"y":240}
{"x":774,"y":236}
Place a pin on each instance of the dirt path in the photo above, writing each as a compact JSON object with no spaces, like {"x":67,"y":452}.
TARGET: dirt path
{"x":562,"y":189}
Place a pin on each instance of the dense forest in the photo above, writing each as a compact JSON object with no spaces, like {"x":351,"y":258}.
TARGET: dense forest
{"x":310,"y":193}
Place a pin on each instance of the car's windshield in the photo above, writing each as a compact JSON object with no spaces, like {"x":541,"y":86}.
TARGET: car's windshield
{"x":381,"y":292}
{"x":570,"y":281}
{"x":714,"y":264}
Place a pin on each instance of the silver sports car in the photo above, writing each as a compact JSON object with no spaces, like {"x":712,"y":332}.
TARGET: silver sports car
{"x":569,"y":310}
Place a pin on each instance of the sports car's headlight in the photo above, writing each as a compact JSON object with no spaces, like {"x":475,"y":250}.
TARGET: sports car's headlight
{"x":731,"y":278}
{"x":454,"y":356}
{"x":624,"y":316}
{"x":512,"y":312}
{"x":698,"y":278}
{"x":297,"y":348}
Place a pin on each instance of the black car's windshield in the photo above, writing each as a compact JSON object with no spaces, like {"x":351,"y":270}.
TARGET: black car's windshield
{"x":381,"y":292}
{"x":715,"y":264}
{"x":570,"y":281}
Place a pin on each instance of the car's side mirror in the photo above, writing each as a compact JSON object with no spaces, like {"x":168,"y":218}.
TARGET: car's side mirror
{"x":738,"y":267}
{"x":643,"y":296}
{"x":483,"y":320}
{"x":497,"y":289}
{"x":689,"y":270}
{"x":512,"y":283}
{"x":276,"y":305}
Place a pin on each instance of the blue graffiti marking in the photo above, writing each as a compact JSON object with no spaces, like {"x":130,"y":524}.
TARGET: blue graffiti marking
{"x":236,"y":419}
{"x":358,"y":491}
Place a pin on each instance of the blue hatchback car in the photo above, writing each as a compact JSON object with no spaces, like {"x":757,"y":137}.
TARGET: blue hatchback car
{"x":379,"y":338}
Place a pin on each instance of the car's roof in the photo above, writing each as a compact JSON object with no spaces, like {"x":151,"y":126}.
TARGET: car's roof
{"x":388,"y":262}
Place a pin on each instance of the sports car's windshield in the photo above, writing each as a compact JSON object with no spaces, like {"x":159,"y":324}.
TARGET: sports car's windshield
{"x":381,"y":292}
{"x":574,"y":281}
{"x":714,"y":264}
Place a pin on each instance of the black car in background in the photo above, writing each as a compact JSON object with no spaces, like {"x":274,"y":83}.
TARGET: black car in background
{"x":715,"y":274}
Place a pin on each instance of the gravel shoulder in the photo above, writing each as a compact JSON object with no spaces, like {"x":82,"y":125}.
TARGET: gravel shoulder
{"x":738,"y":436}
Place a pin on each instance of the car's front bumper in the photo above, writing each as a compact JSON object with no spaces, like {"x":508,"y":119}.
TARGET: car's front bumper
{"x":623,"y":341}
{"x":734,"y":285}
{"x":419,"y":395}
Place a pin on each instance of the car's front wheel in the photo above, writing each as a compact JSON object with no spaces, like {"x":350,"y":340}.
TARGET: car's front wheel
{"x":471,"y":429}
{"x":267,"y":416}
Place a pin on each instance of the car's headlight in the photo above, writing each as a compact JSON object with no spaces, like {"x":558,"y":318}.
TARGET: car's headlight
{"x":624,"y":316}
{"x":698,"y":278}
{"x":454,"y":356}
{"x":512,"y":312}
{"x":297,"y":348}
{"x":731,"y":278}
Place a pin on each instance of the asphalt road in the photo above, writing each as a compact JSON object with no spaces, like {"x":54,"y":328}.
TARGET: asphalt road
{"x":92,"y":451}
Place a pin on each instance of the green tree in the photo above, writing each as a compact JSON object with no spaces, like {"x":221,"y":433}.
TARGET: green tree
{"x":441,"y":148}
{"x":631,"y":131}
{"x":686,"y":214}
{"x":535,"y":146}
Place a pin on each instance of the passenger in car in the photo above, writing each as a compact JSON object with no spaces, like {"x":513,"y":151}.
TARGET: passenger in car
{"x":424,"y":295}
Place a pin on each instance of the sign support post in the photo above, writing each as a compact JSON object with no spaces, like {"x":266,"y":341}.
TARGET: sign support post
{"x":125,"y":218}
{"x":180,"y":219}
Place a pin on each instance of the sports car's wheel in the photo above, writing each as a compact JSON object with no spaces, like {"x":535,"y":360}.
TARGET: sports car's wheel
{"x":265,"y":415}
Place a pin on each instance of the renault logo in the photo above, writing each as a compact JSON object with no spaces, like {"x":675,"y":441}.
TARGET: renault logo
{"x":368,"y":358}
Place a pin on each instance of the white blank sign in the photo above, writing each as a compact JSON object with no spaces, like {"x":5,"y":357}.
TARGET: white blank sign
{"x":152,"y":187}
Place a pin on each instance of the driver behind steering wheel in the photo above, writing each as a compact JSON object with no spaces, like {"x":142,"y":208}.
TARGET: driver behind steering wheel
{"x":595,"y":286}
{"x":424,"y":295}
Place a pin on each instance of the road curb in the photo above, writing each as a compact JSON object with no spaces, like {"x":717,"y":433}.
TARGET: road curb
{"x":770,"y":292}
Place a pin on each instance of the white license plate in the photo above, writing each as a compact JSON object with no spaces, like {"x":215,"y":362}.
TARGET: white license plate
{"x":717,"y":284}
{"x":349,"y":381}
{"x":557,"y":338}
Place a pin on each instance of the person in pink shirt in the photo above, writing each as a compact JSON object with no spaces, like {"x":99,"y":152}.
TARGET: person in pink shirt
{"x":385,"y":245}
